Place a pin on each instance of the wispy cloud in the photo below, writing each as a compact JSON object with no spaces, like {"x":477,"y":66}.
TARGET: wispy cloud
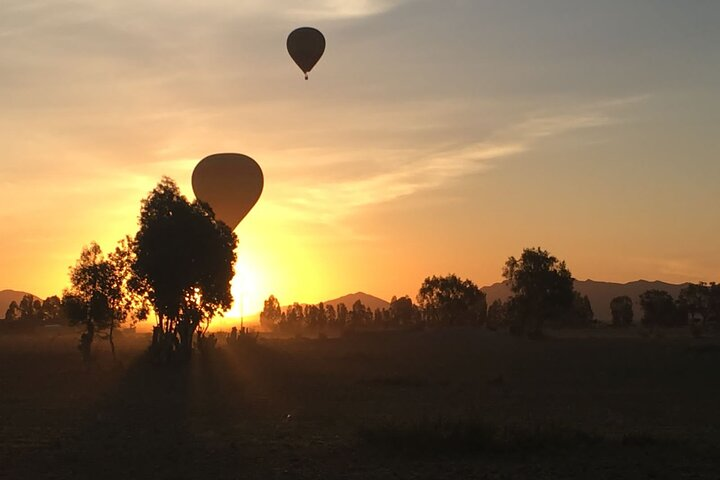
{"x":412,"y":171}
{"x":342,"y":8}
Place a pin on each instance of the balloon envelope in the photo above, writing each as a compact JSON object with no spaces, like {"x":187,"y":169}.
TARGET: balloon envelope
{"x":306,"y":45}
{"x":231,"y":183}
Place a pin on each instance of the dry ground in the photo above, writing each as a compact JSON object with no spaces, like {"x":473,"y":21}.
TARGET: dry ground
{"x":447,"y":404}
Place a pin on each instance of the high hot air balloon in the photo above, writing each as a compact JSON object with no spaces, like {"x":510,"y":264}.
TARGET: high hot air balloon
{"x":231,"y":183}
{"x":306,"y":45}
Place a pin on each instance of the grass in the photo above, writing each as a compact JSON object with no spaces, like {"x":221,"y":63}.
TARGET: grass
{"x":462,"y":437}
{"x":403,"y":381}
{"x":442,"y":404}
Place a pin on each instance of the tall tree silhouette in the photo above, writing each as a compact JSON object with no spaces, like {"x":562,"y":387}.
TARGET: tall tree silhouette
{"x":696,"y":301}
{"x":621,"y":309}
{"x":581,"y":312}
{"x":542,"y":287}
{"x":51,"y":309}
{"x":497,"y":314}
{"x":358,"y":315}
{"x":30,"y":309}
{"x":330,"y":315}
{"x":184,"y":261}
{"x":451,"y":300}
{"x":322,"y":319}
{"x":95,"y":298}
{"x":402,"y":311}
{"x":659,"y":309}
{"x":13,"y":311}
{"x":271,"y":314}
{"x":714,"y":302}
{"x":342,"y":316}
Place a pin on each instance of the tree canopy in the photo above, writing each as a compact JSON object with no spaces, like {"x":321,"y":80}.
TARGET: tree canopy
{"x":271,"y":314}
{"x":451,"y":300}
{"x":542,"y":286}
{"x":95,"y":298}
{"x":659,"y":309}
{"x":184,"y":261}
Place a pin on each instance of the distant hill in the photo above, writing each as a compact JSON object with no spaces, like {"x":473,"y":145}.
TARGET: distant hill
{"x":7,"y":297}
{"x":600,"y":293}
{"x":366,"y":299}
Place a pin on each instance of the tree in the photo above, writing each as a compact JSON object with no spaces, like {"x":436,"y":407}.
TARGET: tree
{"x":330,"y":315}
{"x":123,"y":259}
{"x":95,"y":298}
{"x":582,"y":312}
{"x":51,"y":309}
{"x":497,"y":315}
{"x":299,"y":321}
{"x":184,"y":261}
{"x":322,"y":319}
{"x":402,"y":311}
{"x":621,"y":309}
{"x":311,"y":317}
{"x":378,"y":318}
{"x":342,"y":315}
{"x":271,"y":314}
{"x":358,"y":315}
{"x":29,"y":309}
{"x":714,"y":302}
{"x":12,"y":312}
{"x":542,"y":287}
{"x":695,"y":301}
{"x":659,"y":309}
{"x":451,"y":300}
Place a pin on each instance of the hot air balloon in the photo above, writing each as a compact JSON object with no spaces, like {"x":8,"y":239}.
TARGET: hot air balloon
{"x":231,"y":183}
{"x":306,"y":45}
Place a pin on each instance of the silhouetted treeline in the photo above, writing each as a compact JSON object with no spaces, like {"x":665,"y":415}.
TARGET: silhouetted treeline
{"x":543,"y":295}
{"x":179,"y":265}
{"x":697,"y":305}
{"x":33,"y":312}
{"x":299,"y":319}
{"x":542,"y":288}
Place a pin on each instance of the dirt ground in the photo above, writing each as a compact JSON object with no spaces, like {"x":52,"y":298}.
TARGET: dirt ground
{"x":445,"y":404}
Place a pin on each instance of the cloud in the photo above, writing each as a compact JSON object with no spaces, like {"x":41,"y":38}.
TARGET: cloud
{"x":331,"y":200}
{"x":342,"y":8}
{"x":413,"y":171}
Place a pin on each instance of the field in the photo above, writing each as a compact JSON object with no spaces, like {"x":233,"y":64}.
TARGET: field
{"x":443,"y":404}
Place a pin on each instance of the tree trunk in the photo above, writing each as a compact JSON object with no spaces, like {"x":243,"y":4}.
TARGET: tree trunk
{"x":110,"y":338}
{"x":186,"y":338}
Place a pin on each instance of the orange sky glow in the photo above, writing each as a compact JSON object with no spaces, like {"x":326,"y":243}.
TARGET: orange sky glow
{"x":428,"y":140}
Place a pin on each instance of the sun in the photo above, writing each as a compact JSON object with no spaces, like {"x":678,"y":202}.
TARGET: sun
{"x":246,"y":288}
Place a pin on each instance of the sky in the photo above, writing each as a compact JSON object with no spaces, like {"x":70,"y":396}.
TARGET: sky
{"x":431,"y":138}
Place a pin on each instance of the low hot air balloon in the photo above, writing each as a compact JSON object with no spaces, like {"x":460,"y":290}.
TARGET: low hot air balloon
{"x":306,"y":45}
{"x":231,"y":183}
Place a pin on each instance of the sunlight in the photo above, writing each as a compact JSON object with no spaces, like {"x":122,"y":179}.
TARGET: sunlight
{"x":246,"y":288}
